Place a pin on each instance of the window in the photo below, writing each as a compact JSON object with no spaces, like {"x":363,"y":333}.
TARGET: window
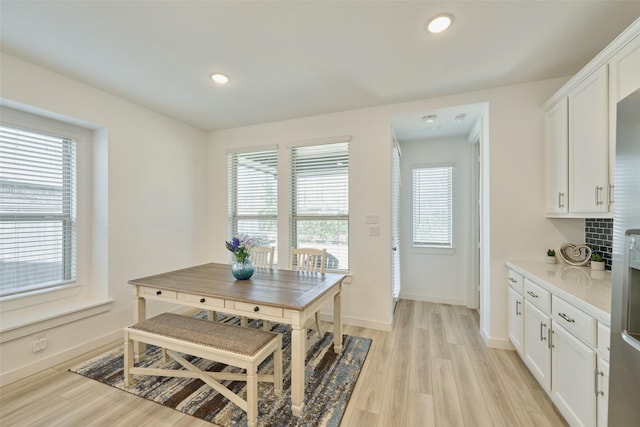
{"x":253,"y":198}
{"x":37,"y":210}
{"x":320,"y":200}
{"x":433,"y":206}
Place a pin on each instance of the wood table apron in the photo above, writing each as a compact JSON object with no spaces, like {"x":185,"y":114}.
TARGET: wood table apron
{"x":282,"y":296}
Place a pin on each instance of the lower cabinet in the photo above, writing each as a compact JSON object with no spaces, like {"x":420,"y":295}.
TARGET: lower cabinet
{"x":573,"y":374}
{"x":602,"y":391}
{"x":516,"y":320}
{"x":565,"y":348}
{"x":537,"y":352}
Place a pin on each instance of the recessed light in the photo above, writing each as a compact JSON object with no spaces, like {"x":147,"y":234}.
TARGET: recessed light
{"x":460,"y":117}
{"x":439,"y":23}
{"x":220,"y":78}
{"x":430,"y":118}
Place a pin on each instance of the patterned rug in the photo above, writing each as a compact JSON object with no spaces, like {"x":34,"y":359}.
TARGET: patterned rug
{"x":330,"y":379}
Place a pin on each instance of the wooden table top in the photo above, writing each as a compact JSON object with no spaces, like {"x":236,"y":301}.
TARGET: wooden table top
{"x":279,"y":288}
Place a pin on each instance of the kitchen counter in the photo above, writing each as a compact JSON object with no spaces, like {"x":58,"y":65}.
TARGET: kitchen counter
{"x":588,"y":290}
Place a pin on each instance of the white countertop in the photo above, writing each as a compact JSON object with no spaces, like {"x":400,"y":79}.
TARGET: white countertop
{"x":588,"y":290}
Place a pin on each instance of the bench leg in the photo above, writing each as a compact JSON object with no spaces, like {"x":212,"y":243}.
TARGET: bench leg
{"x":128,"y":359}
{"x":252,"y":397}
{"x":266,"y":325}
{"x":212,"y":315}
{"x":244,"y":321}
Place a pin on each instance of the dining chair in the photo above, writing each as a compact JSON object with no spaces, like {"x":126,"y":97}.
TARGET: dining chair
{"x":262,"y":256}
{"x":309,"y":260}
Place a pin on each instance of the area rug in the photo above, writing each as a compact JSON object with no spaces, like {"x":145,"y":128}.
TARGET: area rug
{"x":330,"y":379}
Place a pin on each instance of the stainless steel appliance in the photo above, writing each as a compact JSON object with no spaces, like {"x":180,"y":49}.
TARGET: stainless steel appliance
{"x":624,"y":382}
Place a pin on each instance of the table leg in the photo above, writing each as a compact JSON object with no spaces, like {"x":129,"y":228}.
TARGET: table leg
{"x":298,"y":346}
{"x":337,"y":322}
{"x":139,"y":314}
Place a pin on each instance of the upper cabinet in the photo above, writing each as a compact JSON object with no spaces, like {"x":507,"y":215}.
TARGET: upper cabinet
{"x":589,"y":145}
{"x":557,"y":160}
{"x":580,"y":131}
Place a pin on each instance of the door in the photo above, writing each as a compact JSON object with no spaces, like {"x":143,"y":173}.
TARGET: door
{"x":516,"y":320}
{"x":537,"y":353}
{"x":395,"y":219}
{"x":573,"y":369}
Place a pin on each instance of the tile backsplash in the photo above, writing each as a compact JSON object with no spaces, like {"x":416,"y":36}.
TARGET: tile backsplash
{"x":599,"y":237}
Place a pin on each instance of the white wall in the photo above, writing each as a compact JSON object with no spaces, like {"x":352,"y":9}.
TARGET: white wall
{"x":429,"y":274}
{"x":152,"y":210}
{"x":513,"y":153}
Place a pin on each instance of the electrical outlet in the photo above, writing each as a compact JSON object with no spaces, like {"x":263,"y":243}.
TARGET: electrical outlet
{"x":39,"y":345}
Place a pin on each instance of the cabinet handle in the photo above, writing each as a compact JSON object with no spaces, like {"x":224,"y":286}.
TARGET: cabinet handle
{"x":611,"y":192}
{"x":598,"y":374}
{"x":532,"y":294}
{"x":550,"y":333}
{"x":567,"y":318}
{"x":598,"y":190}
{"x":202,"y":300}
{"x":542,"y":326}
{"x":518,"y":313}
{"x":560,"y":200}
{"x":158,"y":292}
{"x":512,"y":280}
{"x":256,"y":308}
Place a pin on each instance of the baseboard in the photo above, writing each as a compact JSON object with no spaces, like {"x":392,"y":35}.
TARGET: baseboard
{"x":501,"y":344}
{"x":359,"y":322}
{"x":429,"y":298}
{"x":58,"y":358}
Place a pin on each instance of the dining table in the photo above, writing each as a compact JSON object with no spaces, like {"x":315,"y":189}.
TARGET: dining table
{"x":284,"y":296}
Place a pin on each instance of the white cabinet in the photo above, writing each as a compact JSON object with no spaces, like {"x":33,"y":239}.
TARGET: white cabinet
{"x":537,"y":352}
{"x":557,"y":158}
{"x":516,"y":320}
{"x":602,"y":392}
{"x":589,"y":145}
{"x":624,"y":70}
{"x":573,"y":368}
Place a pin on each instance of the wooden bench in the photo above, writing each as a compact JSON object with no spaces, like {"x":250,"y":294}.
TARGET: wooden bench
{"x":244,"y":348}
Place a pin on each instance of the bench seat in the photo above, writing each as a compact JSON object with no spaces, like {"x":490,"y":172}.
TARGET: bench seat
{"x":244,"y":348}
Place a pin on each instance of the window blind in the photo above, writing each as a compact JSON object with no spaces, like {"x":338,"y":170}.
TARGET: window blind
{"x":432,"y":206}
{"x":253,"y":198}
{"x":320,"y":200}
{"x":37,"y":210}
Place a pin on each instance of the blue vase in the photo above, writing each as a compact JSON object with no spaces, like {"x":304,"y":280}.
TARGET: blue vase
{"x":242,"y":270}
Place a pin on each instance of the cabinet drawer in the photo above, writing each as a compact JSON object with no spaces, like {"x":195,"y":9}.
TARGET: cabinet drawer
{"x":604,"y":339}
{"x":201,"y":301}
{"x":156,"y":293}
{"x":538,"y":296}
{"x":575,"y":321}
{"x":515,"y":281}
{"x":257,"y":309}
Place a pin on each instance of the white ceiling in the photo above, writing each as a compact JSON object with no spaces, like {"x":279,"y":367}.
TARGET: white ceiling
{"x":292,"y":59}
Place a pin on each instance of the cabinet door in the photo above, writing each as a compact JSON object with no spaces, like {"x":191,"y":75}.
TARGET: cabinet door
{"x":537,"y":353}
{"x":557,"y":158}
{"x":516,"y":320}
{"x":602,"y":392}
{"x":589,"y":145}
{"x":624,"y":69}
{"x":573,"y":370}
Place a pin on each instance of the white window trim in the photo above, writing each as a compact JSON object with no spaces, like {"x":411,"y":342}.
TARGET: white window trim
{"x":425,"y":248}
{"x":39,"y":310}
{"x":290,"y":219}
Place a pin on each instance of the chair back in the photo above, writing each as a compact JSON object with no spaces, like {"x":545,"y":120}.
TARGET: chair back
{"x":262,"y":256}
{"x":308,"y":260}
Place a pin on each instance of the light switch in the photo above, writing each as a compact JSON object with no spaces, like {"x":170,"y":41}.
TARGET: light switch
{"x":373,"y":219}
{"x":374,"y":231}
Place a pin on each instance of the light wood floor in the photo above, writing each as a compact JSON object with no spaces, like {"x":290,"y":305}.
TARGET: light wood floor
{"x":433,"y":369}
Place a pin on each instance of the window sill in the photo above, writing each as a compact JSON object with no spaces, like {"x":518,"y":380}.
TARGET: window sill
{"x":30,"y":320}
{"x":434,"y":250}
